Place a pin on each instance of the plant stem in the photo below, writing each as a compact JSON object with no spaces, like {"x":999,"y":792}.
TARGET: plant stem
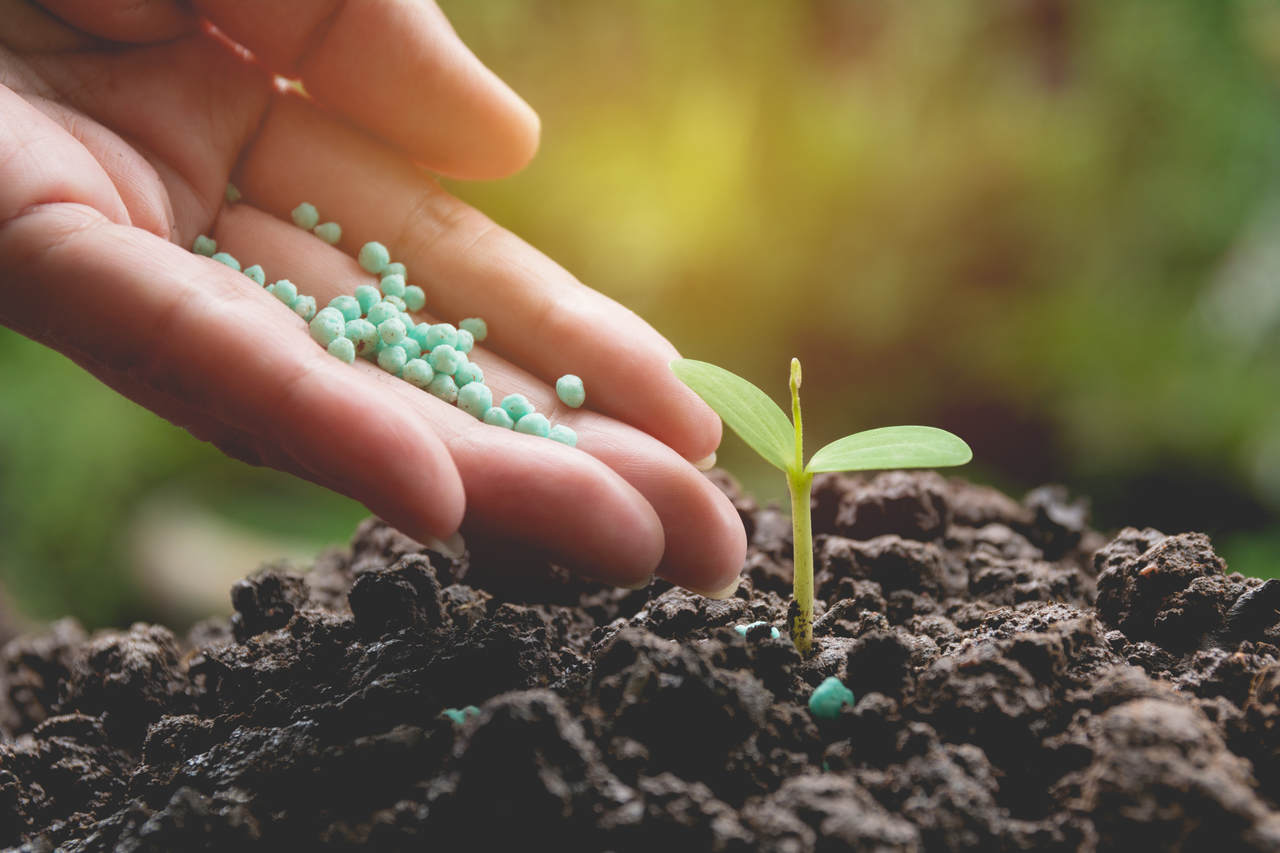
{"x":798,"y":483}
{"x":802,"y":561}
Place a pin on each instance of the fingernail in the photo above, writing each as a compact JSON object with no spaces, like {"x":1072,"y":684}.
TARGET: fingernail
{"x":638,"y":585}
{"x":727,"y":592}
{"x":452,"y":546}
{"x":707,"y":463}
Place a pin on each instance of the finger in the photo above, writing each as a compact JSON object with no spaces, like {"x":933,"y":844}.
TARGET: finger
{"x":704,"y":539}
{"x":45,"y":164}
{"x":397,"y":69}
{"x":198,"y":332}
{"x":133,"y":21}
{"x":539,"y":316}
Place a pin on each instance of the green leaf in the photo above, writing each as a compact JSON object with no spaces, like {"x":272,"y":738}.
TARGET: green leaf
{"x":891,"y":447}
{"x":743,"y":407}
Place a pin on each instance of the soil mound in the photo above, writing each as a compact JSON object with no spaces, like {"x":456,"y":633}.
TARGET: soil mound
{"x":1021,"y":683}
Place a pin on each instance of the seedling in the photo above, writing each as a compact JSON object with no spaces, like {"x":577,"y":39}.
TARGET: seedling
{"x":759,"y":421}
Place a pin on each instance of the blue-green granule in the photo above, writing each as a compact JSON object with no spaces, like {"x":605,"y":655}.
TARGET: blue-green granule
{"x":391,"y":331}
{"x":497,"y":416}
{"x":304,"y":306}
{"x":468,"y":373}
{"x":466,"y":341}
{"x":414,"y":298}
{"x":382,"y":312}
{"x":392,"y":360}
{"x":224,"y":258}
{"x":418,"y":372}
{"x":444,"y":387}
{"x":441,"y":333}
{"x":348,"y":305}
{"x":330,"y":232}
{"x":392,"y":299}
{"x":410,"y":347}
{"x":342,"y":349}
{"x":475,"y":398}
{"x":534,"y":423}
{"x":204,"y":246}
{"x":392,"y":285}
{"x":327,"y":325}
{"x":476,"y":326}
{"x":363,"y":334}
{"x":743,"y":629}
{"x":256,"y":274}
{"x":368,"y":296}
{"x":305,"y":216}
{"x":284,"y":290}
{"x":459,"y":716}
{"x":517,"y":406}
{"x":395,"y":268}
{"x":374,"y":257}
{"x":563,"y":434}
{"x":828,"y":698}
{"x":570,"y":391}
{"x":444,"y":359}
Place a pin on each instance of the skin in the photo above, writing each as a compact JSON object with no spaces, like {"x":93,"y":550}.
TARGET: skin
{"x":121,"y":122}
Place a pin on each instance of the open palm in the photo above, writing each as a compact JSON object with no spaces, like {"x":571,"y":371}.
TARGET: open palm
{"x":120,"y":124}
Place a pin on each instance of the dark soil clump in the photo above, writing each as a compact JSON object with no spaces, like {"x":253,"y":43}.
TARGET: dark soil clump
{"x":1021,"y":683}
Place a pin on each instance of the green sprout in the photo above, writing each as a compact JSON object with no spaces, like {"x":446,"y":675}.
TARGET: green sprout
{"x":759,"y":421}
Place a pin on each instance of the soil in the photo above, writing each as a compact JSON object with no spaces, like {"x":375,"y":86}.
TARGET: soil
{"x":1021,"y":683}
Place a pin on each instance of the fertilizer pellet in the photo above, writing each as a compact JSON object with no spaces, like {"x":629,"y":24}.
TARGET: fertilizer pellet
{"x":374,"y":257}
{"x":475,"y":399}
{"x":367,"y":296}
{"x":330,"y":232}
{"x":348,"y":305}
{"x":382,"y":312}
{"x":392,"y":360}
{"x":441,"y":333}
{"x":444,"y":387}
{"x":204,"y":246}
{"x":342,"y":349}
{"x":305,"y":216}
{"x":232,"y":194}
{"x":444,"y":359}
{"x":497,"y":416}
{"x":394,"y":268}
{"x":466,"y":341}
{"x":468,"y":373}
{"x":564,"y":435}
{"x":414,"y":298}
{"x":363,"y":334}
{"x":224,"y":258}
{"x":829,"y":697}
{"x":284,"y":290}
{"x":419,"y":334}
{"x":570,"y":391}
{"x":410,"y":347}
{"x":304,"y":306}
{"x":326,"y":325}
{"x":478,"y":328}
{"x":392,"y":299}
{"x":418,"y":372}
{"x":534,"y":423}
{"x":743,"y":629}
{"x":392,"y":285}
{"x":391,"y":331}
{"x":257,"y":274}
{"x":517,"y":406}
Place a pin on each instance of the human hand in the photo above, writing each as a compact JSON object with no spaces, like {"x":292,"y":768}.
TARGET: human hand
{"x":120,"y":124}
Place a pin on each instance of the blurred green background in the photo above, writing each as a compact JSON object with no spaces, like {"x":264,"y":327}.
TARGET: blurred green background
{"x":1052,"y":227}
